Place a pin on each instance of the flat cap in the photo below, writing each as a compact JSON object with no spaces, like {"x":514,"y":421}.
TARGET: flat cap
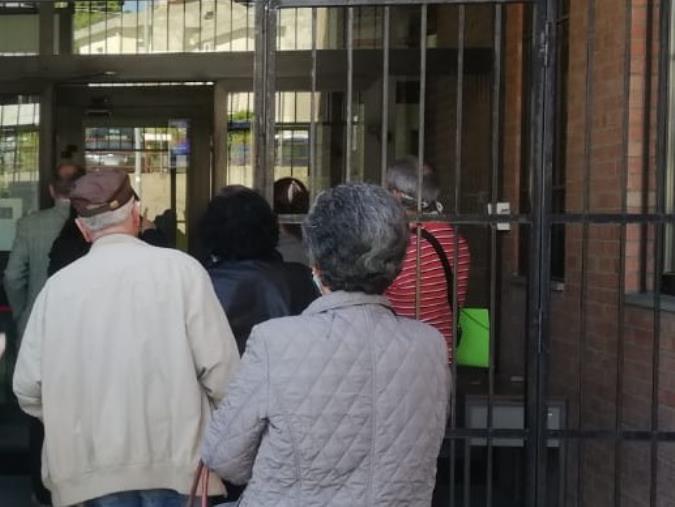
{"x":101,"y":191}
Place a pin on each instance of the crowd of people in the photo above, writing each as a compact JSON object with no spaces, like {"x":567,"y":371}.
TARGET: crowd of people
{"x":292,"y":366}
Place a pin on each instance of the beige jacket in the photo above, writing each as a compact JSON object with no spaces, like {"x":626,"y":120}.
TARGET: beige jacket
{"x":124,"y":354}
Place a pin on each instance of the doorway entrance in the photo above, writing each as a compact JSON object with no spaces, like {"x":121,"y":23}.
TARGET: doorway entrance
{"x":158,"y":159}
{"x":160,"y":134}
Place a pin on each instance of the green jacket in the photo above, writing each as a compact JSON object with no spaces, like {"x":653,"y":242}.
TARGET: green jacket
{"x":26,"y":270}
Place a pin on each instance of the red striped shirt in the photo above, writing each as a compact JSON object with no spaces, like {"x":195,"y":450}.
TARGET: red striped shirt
{"x":434,"y":306}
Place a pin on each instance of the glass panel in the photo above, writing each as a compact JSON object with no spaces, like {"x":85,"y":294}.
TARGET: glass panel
{"x":19,"y":155}
{"x":19,"y":135}
{"x":240,"y":139}
{"x":292,"y":136}
{"x":158,"y":158}
{"x":159,"y":26}
{"x":291,"y":139}
{"x":18,"y":32}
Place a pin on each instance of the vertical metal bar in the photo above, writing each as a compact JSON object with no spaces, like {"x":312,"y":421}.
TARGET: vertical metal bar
{"x":459,"y":107}
{"x":350,"y":92}
{"x":588,"y":140}
{"x":588,"y":143}
{"x":281,"y":116}
{"x":89,"y":27}
{"x":46,"y":147}
{"x":420,"y":155}
{"x":2,"y":132}
{"x":646,"y":133}
{"x":168,"y":25}
{"x":247,"y":9}
{"x":201,"y":17}
{"x":17,"y":136}
{"x":618,"y":421}
{"x":280,"y":22}
{"x":265,"y":83}
{"x":270,"y":118}
{"x":260,"y":97}
{"x":173,"y":169}
{"x":385,"y":93}
{"x":494,"y":196}
{"x":248,"y":159}
{"x":151,"y":40}
{"x":215,"y":25}
{"x":138,"y":23}
{"x":295,"y":121}
{"x":121,"y":46}
{"x":467,"y":472}
{"x":184,"y":44}
{"x":231,"y":25}
{"x":661,"y":164}
{"x":539,"y":273}
{"x":228,"y":143}
{"x":105,"y":21}
{"x":312,"y":114}
{"x":221,"y":99}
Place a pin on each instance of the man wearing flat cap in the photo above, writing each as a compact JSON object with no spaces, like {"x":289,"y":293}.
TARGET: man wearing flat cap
{"x":124,"y":354}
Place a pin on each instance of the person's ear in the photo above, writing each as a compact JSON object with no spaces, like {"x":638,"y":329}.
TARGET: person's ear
{"x":52,"y":192}
{"x":136,"y":215}
{"x":86,"y":233}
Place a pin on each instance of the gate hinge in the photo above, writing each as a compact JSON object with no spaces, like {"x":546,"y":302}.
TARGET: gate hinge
{"x":546,"y":43}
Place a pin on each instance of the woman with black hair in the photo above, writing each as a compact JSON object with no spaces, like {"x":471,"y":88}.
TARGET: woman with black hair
{"x":251,"y":280}
{"x":291,"y":197}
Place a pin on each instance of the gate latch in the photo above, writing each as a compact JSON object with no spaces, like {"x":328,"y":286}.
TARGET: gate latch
{"x":501,"y":208}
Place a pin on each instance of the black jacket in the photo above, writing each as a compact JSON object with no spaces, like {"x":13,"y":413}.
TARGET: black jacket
{"x":70,"y":245}
{"x":253,"y":291}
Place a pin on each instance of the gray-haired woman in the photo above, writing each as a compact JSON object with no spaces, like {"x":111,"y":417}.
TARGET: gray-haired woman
{"x":347,"y":403}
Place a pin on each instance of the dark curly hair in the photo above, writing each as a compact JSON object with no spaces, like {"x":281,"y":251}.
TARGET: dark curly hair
{"x":357,"y":236}
{"x":290,"y":197}
{"x":239,"y":224}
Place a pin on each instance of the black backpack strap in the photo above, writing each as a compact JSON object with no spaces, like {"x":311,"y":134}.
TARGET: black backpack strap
{"x":449,"y":278}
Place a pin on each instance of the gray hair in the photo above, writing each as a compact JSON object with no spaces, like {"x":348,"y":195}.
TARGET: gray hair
{"x":402,"y":176}
{"x":97,"y":223}
{"x":356,"y":235}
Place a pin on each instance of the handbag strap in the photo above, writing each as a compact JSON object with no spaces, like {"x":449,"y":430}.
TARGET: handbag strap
{"x":449,"y":278}
{"x":201,"y":479}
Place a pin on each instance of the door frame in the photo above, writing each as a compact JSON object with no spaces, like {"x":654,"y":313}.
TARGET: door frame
{"x":142,"y":106}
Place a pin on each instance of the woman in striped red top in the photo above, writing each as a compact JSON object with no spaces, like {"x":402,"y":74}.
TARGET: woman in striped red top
{"x":435,"y":306}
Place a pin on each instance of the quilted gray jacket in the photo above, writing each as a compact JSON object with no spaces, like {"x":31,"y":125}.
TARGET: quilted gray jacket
{"x":345,"y":405}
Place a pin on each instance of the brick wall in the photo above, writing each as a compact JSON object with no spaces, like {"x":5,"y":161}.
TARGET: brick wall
{"x":589,"y":332}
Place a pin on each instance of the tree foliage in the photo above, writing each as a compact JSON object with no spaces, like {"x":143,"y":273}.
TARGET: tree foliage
{"x":90,"y":12}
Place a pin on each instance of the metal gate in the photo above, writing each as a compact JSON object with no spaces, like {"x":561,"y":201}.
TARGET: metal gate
{"x":556,"y":438}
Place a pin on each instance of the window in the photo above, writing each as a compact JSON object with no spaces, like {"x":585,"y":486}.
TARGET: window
{"x":157,"y":158}
{"x":18,"y":29}
{"x":19,"y":134}
{"x":154,"y":26}
{"x":291,"y":139}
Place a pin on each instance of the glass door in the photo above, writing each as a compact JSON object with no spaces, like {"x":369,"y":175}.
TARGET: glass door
{"x":157,"y":159}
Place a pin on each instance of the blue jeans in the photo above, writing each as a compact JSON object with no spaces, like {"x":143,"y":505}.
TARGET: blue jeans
{"x":149,"y":498}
